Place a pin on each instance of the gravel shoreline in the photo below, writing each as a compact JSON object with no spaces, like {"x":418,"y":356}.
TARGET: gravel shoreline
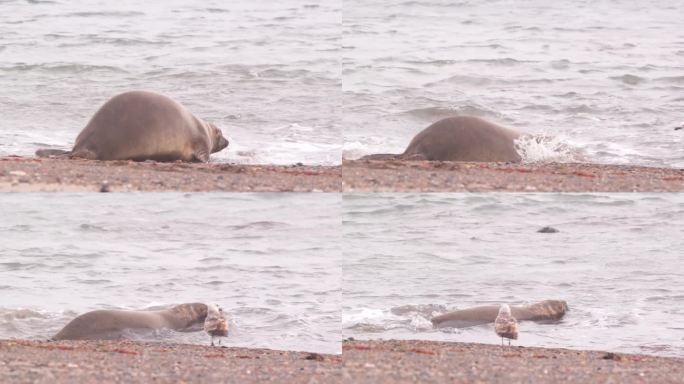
{"x":377,"y":361}
{"x":23,"y":361}
{"x":26,"y":174}
{"x":403,"y":361}
{"x":425,"y":176}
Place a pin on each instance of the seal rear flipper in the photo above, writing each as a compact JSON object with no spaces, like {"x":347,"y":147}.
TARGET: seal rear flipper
{"x":414,"y":157}
{"x":381,"y":156}
{"x":52,"y":152}
{"x":83,"y":154}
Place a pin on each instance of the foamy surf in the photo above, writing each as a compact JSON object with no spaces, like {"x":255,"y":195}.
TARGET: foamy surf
{"x":377,"y":320}
{"x":546,"y":149}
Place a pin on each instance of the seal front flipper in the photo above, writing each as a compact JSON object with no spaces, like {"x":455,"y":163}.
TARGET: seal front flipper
{"x":52,"y":152}
{"x":200,"y":157}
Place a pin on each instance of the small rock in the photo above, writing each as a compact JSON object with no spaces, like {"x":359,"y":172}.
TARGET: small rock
{"x":548,"y":230}
{"x":611,"y":356}
{"x":105,"y":187}
{"x":314,"y":356}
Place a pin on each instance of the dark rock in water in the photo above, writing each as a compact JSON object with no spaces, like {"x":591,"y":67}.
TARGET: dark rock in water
{"x":548,"y":230}
{"x":678,"y":128}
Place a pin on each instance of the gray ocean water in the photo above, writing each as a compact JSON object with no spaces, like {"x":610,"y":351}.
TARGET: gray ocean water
{"x":267,"y":73}
{"x":618,"y":261}
{"x":272,"y":261}
{"x":604,"y":79}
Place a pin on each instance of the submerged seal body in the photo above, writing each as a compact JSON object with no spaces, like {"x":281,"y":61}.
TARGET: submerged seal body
{"x":460,"y":138}
{"x":141,"y":126}
{"x":111,"y":324}
{"x":547,"y":310}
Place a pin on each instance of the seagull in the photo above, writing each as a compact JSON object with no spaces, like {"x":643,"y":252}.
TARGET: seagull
{"x":506,"y":325}
{"x":215,"y":323}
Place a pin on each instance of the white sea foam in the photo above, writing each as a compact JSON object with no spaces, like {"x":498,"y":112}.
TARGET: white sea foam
{"x":542,"y":148}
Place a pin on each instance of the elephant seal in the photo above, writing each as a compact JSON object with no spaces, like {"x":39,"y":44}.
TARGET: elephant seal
{"x":141,"y":126}
{"x":111,"y":324}
{"x":460,"y":138}
{"x":547,"y":310}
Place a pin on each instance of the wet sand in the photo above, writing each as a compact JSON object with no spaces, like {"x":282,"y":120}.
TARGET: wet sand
{"x":395,"y":361}
{"x":27,"y":174}
{"x":425,"y":176}
{"x":133,"y":362}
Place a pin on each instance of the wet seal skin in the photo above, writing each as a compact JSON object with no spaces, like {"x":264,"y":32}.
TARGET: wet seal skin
{"x":547,"y":310}
{"x":141,"y":125}
{"x":460,"y":138}
{"x":111,"y":324}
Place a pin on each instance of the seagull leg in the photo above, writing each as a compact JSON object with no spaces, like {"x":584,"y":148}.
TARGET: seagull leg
{"x":212,"y":341}
{"x":509,"y":342}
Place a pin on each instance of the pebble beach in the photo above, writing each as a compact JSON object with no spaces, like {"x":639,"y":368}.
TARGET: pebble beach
{"x":25,"y":174}
{"x":23,"y":361}
{"x":434,"y":176}
{"x":410,"y":361}
{"x":390,"y":361}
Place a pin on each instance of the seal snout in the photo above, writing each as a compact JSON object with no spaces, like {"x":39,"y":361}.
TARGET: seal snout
{"x":223,"y":143}
{"x":220,"y":141}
